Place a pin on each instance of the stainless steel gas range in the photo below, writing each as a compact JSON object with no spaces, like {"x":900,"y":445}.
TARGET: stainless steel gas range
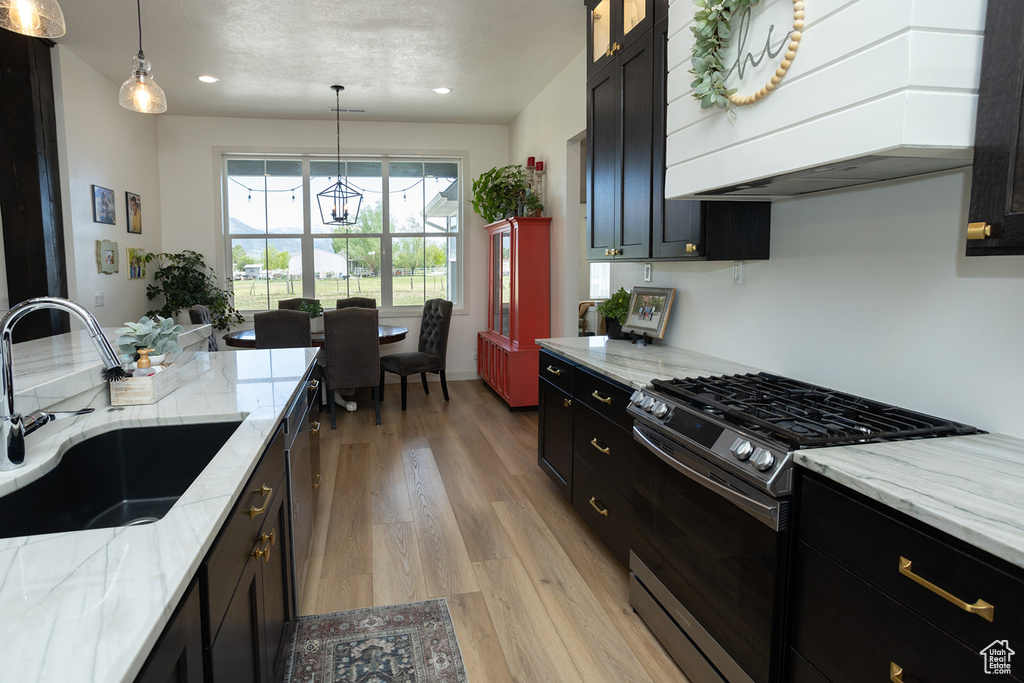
{"x":711,"y":540}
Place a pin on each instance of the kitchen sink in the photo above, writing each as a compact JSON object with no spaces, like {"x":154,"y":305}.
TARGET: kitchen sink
{"x":119,"y":478}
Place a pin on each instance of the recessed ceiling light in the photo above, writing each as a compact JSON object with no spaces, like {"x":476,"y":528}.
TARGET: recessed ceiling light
{"x":442,"y":91}
{"x":208,"y":79}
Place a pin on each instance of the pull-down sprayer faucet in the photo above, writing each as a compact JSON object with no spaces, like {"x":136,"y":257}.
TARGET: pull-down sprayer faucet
{"x":14,"y":427}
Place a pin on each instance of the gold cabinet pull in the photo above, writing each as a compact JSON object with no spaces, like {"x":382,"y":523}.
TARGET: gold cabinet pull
{"x":895,"y":672}
{"x":600,"y":510}
{"x":254,"y":511}
{"x":316,"y":480}
{"x":271,"y":537}
{"x":315,"y":429}
{"x":554,"y":371}
{"x":603,"y":399}
{"x":983,"y":609}
{"x":597,"y":444}
{"x":314,"y":385}
{"x":261,"y":552}
{"x":566,"y":402}
{"x":690,"y":248}
{"x":979,"y":231}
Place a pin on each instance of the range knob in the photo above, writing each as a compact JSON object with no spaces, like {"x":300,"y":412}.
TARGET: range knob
{"x":648,"y":403}
{"x":762,"y":459}
{"x":637,"y":398}
{"x":660,"y":409}
{"x":742,"y":449}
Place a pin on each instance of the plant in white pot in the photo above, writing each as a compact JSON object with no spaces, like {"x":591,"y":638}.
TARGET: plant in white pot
{"x":316,"y":315}
{"x":159,"y":334}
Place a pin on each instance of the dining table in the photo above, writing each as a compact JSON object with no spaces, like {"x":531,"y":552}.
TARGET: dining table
{"x":246,"y":339}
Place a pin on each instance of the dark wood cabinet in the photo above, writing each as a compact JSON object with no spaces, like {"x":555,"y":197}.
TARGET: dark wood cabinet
{"x":302,"y":444}
{"x":996,"y":215}
{"x":554,"y":425}
{"x":613,"y":25}
{"x":178,"y":655}
{"x":857,"y":608}
{"x":628,"y":217}
{"x":248,"y":581}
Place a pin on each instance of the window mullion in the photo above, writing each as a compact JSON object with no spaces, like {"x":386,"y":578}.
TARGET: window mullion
{"x":308,"y":264}
{"x":386,"y":246}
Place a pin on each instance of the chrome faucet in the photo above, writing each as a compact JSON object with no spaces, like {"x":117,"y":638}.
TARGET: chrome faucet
{"x":14,"y":427}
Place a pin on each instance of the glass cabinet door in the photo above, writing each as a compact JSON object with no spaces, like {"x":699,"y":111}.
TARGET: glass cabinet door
{"x":506,"y":281}
{"x":496,"y":282}
{"x":633,"y":14}
{"x":601,"y":29}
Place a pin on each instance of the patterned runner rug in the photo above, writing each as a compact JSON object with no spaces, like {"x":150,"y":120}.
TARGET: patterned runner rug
{"x":411,"y":643}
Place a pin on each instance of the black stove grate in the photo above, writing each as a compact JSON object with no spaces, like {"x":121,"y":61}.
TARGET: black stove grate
{"x":804,"y":415}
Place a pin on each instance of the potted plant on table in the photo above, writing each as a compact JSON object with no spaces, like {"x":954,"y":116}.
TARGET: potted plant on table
{"x":614,"y":310}
{"x":185,"y":280}
{"x":159,"y":334}
{"x":316,"y":315}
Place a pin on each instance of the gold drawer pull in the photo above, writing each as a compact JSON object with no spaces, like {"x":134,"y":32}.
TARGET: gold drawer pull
{"x":600,"y":510}
{"x":314,"y":385}
{"x":602,"y":399}
{"x":316,"y":480}
{"x":254,"y":511}
{"x":979,"y":231}
{"x":315,"y":429}
{"x":271,"y":537}
{"x":566,"y":402}
{"x":553,"y":370}
{"x":690,"y":248}
{"x":261,"y":552}
{"x":596,"y":444}
{"x":895,"y":672}
{"x":981,"y":608}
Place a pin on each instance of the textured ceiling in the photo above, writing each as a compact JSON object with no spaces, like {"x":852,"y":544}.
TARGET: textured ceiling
{"x":278,"y":58}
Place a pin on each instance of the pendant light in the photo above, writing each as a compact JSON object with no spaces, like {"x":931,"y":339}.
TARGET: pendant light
{"x":36,"y":18}
{"x":140,"y":92}
{"x":339,"y":203}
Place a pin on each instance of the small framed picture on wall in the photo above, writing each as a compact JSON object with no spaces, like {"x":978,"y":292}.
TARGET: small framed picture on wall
{"x":103,"y":210}
{"x":134,"y":205}
{"x":136,"y":263}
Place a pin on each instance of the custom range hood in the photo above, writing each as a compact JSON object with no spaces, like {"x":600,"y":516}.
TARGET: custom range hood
{"x":876,"y":91}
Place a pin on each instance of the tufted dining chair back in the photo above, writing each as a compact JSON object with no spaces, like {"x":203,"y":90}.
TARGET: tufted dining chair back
{"x":282,"y":329}
{"x":352,"y":352}
{"x":357,"y":302}
{"x":293,"y":304}
{"x":434,"y":326}
{"x":432,"y":352}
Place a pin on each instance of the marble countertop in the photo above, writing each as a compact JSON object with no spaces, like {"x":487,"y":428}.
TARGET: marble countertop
{"x":635,"y":365}
{"x":971,"y":487}
{"x":89,"y":606}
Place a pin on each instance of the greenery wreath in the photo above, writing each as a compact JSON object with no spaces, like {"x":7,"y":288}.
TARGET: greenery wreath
{"x":711,"y":31}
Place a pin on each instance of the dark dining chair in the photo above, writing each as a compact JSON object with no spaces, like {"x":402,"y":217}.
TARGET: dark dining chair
{"x":357,"y":302}
{"x":432,"y":353}
{"x":282,"y":329}
{"x":200,"y":315}
{"x":293,"y":304}
{"x":351,"y":353}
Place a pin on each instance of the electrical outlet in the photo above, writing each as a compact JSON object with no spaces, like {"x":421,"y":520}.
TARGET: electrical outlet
{"x":98,"y":298}
{"x":738,"y":275}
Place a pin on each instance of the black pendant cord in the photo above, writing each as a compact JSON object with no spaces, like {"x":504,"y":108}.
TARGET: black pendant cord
{"x":138,"y":6}
{"x":337,"y":118}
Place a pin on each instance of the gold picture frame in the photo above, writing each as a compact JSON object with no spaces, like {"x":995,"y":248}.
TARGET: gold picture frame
{"x":648,"y":311}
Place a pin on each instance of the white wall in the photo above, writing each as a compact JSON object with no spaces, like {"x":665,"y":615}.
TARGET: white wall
{"x":100,"y":143}
{"x":543,"y":129}
{"x":868,"y":291}
{"x":189,"y":149}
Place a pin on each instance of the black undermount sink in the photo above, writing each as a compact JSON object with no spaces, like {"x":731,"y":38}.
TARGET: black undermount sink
{"x":119,"y":478}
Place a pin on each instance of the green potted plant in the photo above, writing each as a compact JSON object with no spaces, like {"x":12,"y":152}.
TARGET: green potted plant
{"x":532,"y":205}
{"x":316,"y":313}
{"x":159,"y":334}
{"x":614,"y":310}
{"x":184,"y":280}
{"x":500,"y":193}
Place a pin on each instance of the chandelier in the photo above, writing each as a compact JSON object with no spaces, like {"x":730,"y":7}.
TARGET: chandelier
{"x":339,"y":203}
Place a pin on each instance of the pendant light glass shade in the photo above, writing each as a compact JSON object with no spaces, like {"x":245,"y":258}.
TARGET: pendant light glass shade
{"x":339,"y":203}
{"x":140,"y":92}
{"x":36,"y":18}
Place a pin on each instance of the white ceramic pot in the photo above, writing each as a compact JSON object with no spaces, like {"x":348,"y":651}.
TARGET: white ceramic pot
{"x":316,"y":324}
{"x":157,"y":360}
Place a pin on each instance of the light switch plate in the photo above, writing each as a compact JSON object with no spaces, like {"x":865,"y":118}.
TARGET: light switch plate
{"x":98,"y":298}
{"x":647,"y":272}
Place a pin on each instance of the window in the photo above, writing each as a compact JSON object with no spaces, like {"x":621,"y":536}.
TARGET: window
{"x":403,"y":249}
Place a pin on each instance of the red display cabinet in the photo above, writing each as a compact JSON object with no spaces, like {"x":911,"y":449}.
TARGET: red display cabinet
{"x":518,"y":307}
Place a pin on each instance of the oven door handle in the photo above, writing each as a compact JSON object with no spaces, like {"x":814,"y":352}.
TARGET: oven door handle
{"x":767,"y":514}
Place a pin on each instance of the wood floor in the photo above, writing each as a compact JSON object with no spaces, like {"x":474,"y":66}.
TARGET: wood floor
{"x":447,"y":500}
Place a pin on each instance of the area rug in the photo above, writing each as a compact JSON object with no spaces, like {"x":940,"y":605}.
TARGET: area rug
{"x":410,"y":643}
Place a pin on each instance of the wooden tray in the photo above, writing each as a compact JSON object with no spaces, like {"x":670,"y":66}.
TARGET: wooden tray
{"x":140,"y":391}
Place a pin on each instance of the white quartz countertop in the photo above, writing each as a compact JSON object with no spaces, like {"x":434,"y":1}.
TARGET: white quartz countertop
{"x":89,"y":606}
{"x":969,"y":486}
{"x":635,"y":365}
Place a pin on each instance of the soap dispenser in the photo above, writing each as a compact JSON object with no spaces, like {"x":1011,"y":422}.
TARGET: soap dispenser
{"x":143,"y":367}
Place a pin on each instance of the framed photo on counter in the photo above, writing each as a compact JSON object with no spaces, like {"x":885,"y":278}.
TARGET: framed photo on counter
{"x":648,"y":311}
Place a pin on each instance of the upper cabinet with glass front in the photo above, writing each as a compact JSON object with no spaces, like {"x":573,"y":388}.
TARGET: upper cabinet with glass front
{"x":614,"y":24}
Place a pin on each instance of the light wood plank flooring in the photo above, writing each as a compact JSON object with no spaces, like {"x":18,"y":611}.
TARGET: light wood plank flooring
{"x":447,"y":500}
